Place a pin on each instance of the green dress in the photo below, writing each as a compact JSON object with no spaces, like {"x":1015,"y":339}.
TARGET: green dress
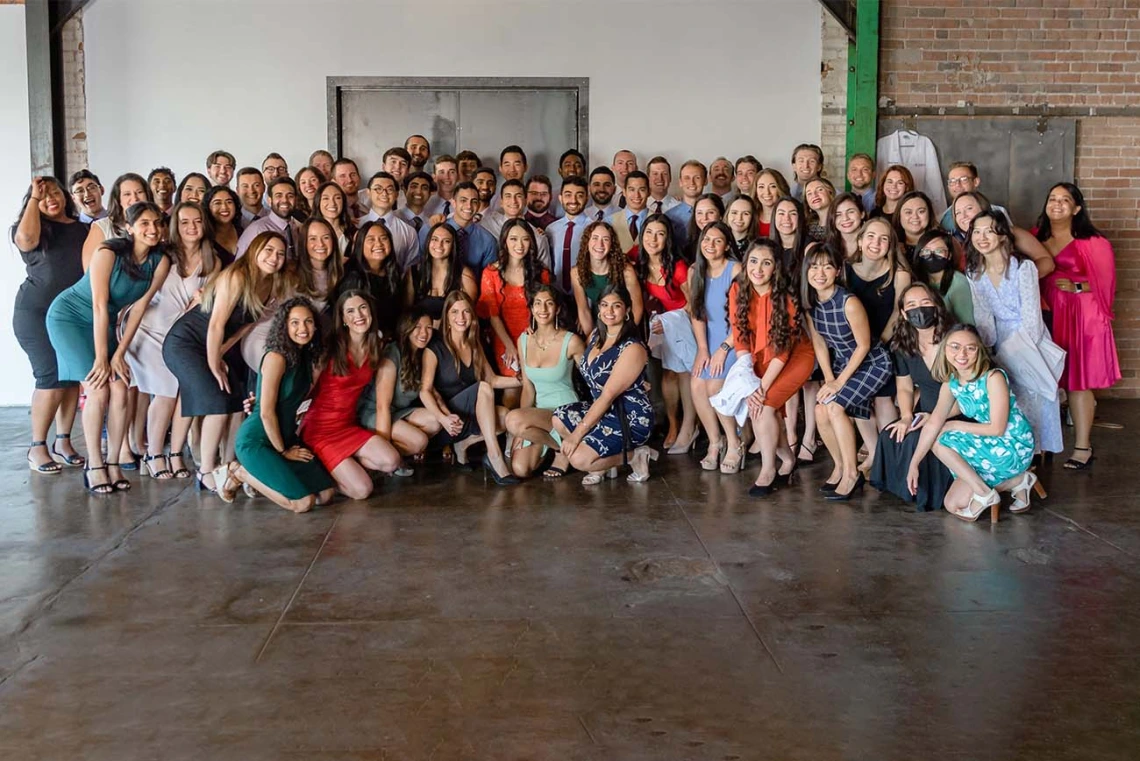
{"x":595,"y":287}
{"x":71,"y":319}
{"x":255,"y":452}
{"x":994,"y":458}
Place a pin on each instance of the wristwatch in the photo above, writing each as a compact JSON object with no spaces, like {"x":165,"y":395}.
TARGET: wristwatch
{"x":725,"y":345}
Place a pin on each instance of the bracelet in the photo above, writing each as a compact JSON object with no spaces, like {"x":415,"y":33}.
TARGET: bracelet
{"x":37,"y":198}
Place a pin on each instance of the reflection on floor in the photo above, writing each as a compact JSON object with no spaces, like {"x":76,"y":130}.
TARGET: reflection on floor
{"x":678,"y":619}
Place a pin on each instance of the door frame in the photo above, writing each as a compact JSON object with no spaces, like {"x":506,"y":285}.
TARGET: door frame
{"x":334,"y":86}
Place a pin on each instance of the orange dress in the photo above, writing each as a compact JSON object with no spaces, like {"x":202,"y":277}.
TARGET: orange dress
{"x":508,"y":303}
{"x":799,"y":361}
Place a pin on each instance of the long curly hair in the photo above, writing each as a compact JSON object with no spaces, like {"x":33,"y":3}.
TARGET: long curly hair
{"x":334,"y":265}
{"x":905,"y":339}
{"x":669,"y":255}
{"x":470,"y":339}
{"x":411,"y":357}
{"x":699,"y":271}
{"x":280,"y":342}
{"x":784,"y":329}
{"x":340,"y":342}
{"x":616,"y":257}
{"x":422,"y":272}
{"x":532,"y":268}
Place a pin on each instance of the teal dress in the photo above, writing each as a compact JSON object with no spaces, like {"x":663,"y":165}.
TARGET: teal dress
{"x":994,"y":458}
{"x":294,"y":480}
{"x":70,"y":318}
{"x":553,"y":386}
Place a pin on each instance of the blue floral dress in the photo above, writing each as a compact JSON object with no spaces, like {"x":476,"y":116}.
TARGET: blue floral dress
{"x":606,"y":437}
{"x":994,"y":458}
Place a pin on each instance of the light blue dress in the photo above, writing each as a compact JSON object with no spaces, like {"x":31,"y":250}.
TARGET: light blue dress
{"x":717,"y":329}
{"x":994,"y":458}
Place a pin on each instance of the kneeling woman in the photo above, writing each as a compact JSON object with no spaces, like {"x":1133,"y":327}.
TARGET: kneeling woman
{"x":598,"y":436}
{"x":347,"y":450}
{"x":459,"y":387}
{"x":987,"y":456}
{"x":270,"y":455}
{"x":547,"y":356}
{"x":767,"y":326}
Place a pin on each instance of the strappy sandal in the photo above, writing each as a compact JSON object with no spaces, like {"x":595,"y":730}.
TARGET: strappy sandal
{"x":733,"y":461}
{"x":591,"y":479}
{"x":162,"y":474}
{"x":712,"y":457}
{"x":1072,"y":464}
{"x":810,"y":459}
{"x":121,"y":484}
{"x":51,"y":468}
{"x":1024,"y":486}
{"x":978,"y":505}
{"x":70,"y":460}
{"x":101,"y":490}
{"x":227,"y":482}
{"x":178,"y":472}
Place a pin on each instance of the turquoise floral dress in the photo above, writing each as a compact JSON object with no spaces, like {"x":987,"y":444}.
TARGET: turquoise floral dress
{"x":994,"y":458}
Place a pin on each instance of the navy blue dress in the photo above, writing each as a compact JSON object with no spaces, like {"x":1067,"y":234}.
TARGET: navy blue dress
{"x":831,"y":323}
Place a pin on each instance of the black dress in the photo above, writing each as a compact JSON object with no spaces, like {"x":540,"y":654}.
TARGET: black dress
{"x":385,"y":293}
{"x":892,"y":459}
{"x":184,"y":352}
{"x":880,"y":305}
{"x":53,"y":266}
{"x":458,"y":387}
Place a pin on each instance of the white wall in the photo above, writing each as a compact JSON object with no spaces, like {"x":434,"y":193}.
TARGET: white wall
{"x":15,"y":161}
{"x":170,"y":81}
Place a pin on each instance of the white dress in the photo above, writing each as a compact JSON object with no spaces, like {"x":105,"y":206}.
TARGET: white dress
{"x":144,"y":355}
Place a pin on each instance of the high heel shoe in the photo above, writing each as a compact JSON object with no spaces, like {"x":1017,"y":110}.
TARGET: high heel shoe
{"x":642,"y":456}
{"x":507,"y":480}
{"x":591,"y":479}
{"x":101,"y":490}
{"x":200,"y":485}
{"x":120,"y":484}
{"x":712,"y":458}
{"x":786,"y":479}
{"x":1028,"y":479}
{"x":51,"y":468}
{"x":730,"y":467}
{"x":1072,"y":464}
{"x":977,"y":505}
{"x":679,"y":448}
{"x":163,"y":473}
{"x":70,"y":460}
{"x":838,"y":496}
{"x":810,"y":459}
{"x":828,"y":487}
{"x":227,"y":482}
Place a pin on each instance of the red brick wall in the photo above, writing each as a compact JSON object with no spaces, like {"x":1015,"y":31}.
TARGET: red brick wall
{"x":1060,"y":53}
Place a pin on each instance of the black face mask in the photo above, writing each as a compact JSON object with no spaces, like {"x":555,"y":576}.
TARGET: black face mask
{"x":934,"y":264}
{"x":922,"y":317}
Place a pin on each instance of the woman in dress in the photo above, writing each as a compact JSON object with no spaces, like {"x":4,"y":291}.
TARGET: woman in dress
{"x":129,"y":189}
{"x":895,"y":183}
{"x":819,"y":194}
{"x":915,"y":345}
{"x":664,"y":277}
{"x":1080,"y":292}
{"x":989,"y":453}
{"x":333,"y":207}
{"x":603,"y":265}
{"x":972,"y":203}
{"x":309,"y":179}
{"x":789,"y":229}
{"x":547,"y":355}
{"x":768,"y":332}
{"x":193,"y":189}
{"x":394,"y":411}
{"x":740,"y":216}
{"x":913,"y":218}
{"x":330,"y":429}
{"x":50,"y":240}
{"x":371,"y":267}
{"x":844,"y":221}
{"x":1007,"y":305}
{"x":320,"y":266}
{"x":855,"y":365}
{"x":81,"y":324}
{"x":770,"y":188}
{"x":202,"y":349}
{"x":934,"y":265}
{"x":707,"y":209}
{"x":271,"y":457}
{"x":876,"y":275}
{"x":503,"y":297}
{"x":192,"y":261}
{"x":709,"y":281}
{"x":221,"y":205}
{"x":459,"y":387}
{"x":614,"y":427}
{"x":439,"y":271}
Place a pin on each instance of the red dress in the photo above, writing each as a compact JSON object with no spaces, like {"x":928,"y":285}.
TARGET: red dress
{"x":508,"y":303}
{"x":669,"y":295}
{"x":763,"y":228}
{"x":330,"y":428}
{"x":1082,"y":322}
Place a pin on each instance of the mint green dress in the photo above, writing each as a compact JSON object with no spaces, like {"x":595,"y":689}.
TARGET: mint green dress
{"x":553,"y":386}
{"x":994,"y":458}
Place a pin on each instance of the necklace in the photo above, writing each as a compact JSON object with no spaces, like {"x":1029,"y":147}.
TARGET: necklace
{"x":542,"y":344}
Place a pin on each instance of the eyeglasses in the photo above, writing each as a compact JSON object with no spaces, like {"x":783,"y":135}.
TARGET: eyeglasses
{"x":954,"y":181}
{"x":934,"y":252}
{"x":957,"y":348}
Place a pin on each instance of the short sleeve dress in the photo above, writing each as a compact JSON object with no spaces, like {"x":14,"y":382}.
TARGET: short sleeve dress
{"x":994,"y":458}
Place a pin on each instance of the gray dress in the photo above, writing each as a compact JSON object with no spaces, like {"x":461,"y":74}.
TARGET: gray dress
{"x":404,"y":400}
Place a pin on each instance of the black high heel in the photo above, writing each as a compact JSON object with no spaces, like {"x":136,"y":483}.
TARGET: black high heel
{"x":1072,"y":464}
{"x":507,"y":480}
{"x":101,"y":490}
{"x":837,"y":496}
{"x":70,"y":460}
{"x":121,"y":484}
{"x":828,"y":487}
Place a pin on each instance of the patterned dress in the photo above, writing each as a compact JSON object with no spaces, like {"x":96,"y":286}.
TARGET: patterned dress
{"x":831,"y":323}
{"x":606,"y":438}
{"x":994,"y":458}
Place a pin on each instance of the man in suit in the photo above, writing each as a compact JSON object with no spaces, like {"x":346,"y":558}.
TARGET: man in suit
{"x":628,"y":222}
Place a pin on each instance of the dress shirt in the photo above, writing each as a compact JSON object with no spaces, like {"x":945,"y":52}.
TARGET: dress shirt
{"x":405,"y":239}
{"x":272,"y":223}
{"x":667,"y":203}
{"x":606,"y":211}
{"x":247,"y":217}
{"x":409,"y":216}
{"x":477,"y":246}
{"x":620,"y":223}
{"x":87,"y":219}
{"x":437,"y":205}
{"x":868,"y":197}
{"x":493,"y":222}
{"x":556,"y":239}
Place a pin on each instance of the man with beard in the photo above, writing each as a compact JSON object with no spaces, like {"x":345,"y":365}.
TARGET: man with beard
{"x":624,"y":162}
{"x":322,"y":161}
{"x":692,"y":182}
{"x":720,"y":178}
{"x":484,"y":180}
{"x":250,"y":187}
{"x":87,"y":192}
{"x":602,"y":189}
{"x":161,"y":181}
{"x":418,"y":190}
{"x":274,"y":166}
{"x":220,"y":167}
{"x":419,"y":152}
{"x":512,"y":203}
{"x":346,"y":174}
{"x":383,"y":192}
{"x":628,"y":222}
{"x":539,"y":194}
{"x":564,"y":235}
{"x":282,"y":200}
{"x":446,"y":177}
{"x":477,"y":247}
{"x":861,"y":175}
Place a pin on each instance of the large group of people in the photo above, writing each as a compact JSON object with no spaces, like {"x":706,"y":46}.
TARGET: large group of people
{"x":294,"y":335}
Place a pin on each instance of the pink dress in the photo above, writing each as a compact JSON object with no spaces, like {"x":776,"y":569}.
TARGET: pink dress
{"x":1082,"y":322}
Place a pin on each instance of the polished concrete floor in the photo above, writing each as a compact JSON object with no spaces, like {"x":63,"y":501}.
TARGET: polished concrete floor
{"x":667,"y":621}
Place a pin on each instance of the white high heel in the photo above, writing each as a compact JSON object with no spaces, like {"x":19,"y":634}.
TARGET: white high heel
{"x":978,"y":504}
{"x":1026,"y":484}
{"x":592,"y":479}
{"x":712,"y":459}
{"x":642,"y":456}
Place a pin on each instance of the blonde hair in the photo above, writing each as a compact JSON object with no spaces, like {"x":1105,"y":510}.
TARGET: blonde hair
{"x":941,"y":371}
{"x":244,"y":276}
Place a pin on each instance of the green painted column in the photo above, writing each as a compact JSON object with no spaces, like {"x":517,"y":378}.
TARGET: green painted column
{"x":863,"y":80}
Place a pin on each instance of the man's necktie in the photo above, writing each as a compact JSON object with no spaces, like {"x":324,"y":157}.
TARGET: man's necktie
{"x":633,"y":227}
{"x":446,"y":208}
{"x":658,"y":210}
{"x":290,"y":253}
{"x":599,"y":215}
{"x":566,"y":241}
{"x":417,"y":223}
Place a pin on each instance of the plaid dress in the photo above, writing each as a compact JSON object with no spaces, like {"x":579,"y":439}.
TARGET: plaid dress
{"x":831,"y":323}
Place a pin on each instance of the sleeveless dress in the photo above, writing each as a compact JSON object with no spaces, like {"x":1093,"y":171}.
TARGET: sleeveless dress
{"x":799,"y":360}
{"x":70,"y":318}
{"x":330,"y":428}
{"x":553,"y":386}
{"x":52,"y":266}
{"x":459,"y":389}
{"x":607,"y":437}
{"x":148,"y":369}
{"x":595,"y":287}
{"x":294,"y":480}
{"x":507,"y":302}
{"x":667,"y":296}
{"x":994,"y":458}
{"x":717,"y":329}
{"x":831,"y":323}
{"x":404,"y":400}
{"x":184,"y":351}
{"x":880,"y":305}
